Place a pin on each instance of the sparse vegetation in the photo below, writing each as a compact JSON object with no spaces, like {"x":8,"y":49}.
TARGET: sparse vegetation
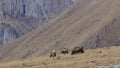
{"x":90,"y":59}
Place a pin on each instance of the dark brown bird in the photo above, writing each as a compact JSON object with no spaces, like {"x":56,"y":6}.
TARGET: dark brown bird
{"x":77,"y":50}
{"x":65,"y":51}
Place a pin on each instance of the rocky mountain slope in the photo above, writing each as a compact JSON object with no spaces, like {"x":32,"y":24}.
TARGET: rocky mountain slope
{"x":28,"y":15}
{"x":88,"y":23}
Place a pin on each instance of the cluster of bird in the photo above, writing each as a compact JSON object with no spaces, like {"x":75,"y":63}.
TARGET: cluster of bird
{"x":75,"y":50}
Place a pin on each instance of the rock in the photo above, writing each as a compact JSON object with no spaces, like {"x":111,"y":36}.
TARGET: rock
{"x":33,"y":13}
{"x":93,"y":61}
{"x":106,"y":67}
{"x":7,"y":33}
{"x":33,"y":8}
{"x":116,"y":66}
{"x":110,"y":66}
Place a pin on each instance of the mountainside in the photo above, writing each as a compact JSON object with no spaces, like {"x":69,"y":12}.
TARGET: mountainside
{"x":97,"y":58}
{"x":32,"y":8}
{"x":88,"y":23}
{"x":28,"y":15}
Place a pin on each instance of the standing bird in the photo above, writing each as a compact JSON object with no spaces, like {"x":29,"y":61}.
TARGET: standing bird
{"x":53,"y":53}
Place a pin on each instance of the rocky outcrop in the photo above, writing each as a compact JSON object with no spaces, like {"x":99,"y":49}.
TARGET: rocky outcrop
{"x":8,"y":33}
{"x":33,"y":8}
{"x":33,"y":13}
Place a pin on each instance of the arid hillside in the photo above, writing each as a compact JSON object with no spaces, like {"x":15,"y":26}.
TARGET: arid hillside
{"x":88,"y":23}
{"x":97,"y":58}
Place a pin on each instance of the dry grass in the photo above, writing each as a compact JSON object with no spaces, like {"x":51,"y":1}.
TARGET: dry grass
{"x":90,"y":59}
